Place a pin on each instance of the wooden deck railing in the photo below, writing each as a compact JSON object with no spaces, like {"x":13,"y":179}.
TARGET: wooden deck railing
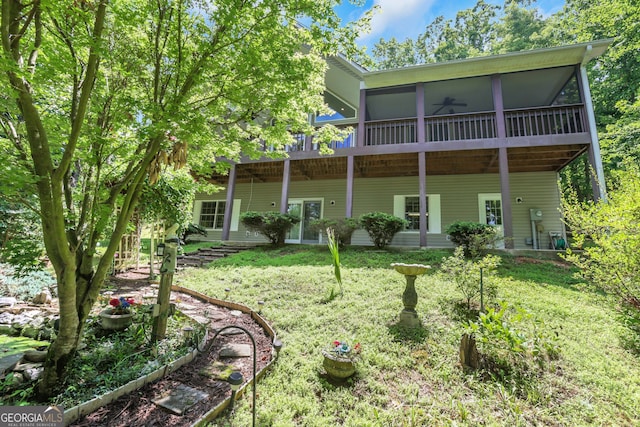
{"x":457,"y":127}
{"x":385,"y":132}
{"x":556,"y":120}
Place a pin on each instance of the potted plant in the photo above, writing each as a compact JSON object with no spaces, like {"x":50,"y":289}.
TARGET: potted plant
{"x":339,"y":360}
{"x":119,"y":316}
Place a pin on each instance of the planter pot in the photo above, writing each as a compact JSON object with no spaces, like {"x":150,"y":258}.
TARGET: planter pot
{"x":338,"y":367}
{"x":115,"y":322}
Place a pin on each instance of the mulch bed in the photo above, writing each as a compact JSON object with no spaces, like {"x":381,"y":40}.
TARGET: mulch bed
{"x":138,"y":409}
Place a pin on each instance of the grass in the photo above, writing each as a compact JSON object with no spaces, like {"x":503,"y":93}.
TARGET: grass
{"x":412,"y":378}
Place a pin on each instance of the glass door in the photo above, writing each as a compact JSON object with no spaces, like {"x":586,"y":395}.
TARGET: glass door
{"x":312,"y":210}
{"x":490,"y":212}
{"x":307,"y":211}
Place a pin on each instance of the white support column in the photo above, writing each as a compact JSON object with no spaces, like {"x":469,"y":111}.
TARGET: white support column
{"x":594,"y":149}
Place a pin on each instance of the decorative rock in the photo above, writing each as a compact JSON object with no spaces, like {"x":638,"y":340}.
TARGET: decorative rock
{"x":236,"y":350}
{"x":43,"y":297}
{"x":7,"y":363}
{"x":236,"y":313}
{"x":180,"y":399}
{"x":33,"y":374}
{"x":231,"y":331}
{"x":6,"y":317}
{"x":218,"y":371}
{"x":21,"y":367}
{"x":37,"y":356}
{"x":7,"y":301}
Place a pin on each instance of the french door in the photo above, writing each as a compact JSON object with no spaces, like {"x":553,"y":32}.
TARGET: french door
{"x":490,"y":212}
{"x":307,"y":211}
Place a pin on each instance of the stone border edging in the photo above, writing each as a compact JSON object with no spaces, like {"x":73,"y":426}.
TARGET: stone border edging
{"x":73,"y":414}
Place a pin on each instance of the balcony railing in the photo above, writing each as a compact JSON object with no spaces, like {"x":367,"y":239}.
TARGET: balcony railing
{"x":390,"y":132}
{"x":555,"y":120}
{"x":457,"y":127}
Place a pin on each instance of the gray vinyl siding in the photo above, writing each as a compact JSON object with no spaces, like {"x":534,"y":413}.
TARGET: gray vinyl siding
{"x":458,"y":201}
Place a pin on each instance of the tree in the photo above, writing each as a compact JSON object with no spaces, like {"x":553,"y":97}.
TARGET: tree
{"x":609,"y":235}
{"x":99,"y":97}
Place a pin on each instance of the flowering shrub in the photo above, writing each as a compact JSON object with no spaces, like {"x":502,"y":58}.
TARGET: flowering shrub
{"x":121,"y":305}
{"x":343,"y":349}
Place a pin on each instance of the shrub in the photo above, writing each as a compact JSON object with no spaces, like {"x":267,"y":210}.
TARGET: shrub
{"x":607,"y":233}
{"x":474,"y":237}
{"x":466,"y":274}
{"x":381,"y":227}
{"x":273,"y":225}
{"x":343,"y":228}
{"x":512,"y":341}
{"x":192,"y":229}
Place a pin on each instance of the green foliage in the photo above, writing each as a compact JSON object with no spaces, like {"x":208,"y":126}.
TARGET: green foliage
{"x":25,"y":285}
{"x":381,"y":227}
{"x":272,"y":225}
{"x":513,"y":342}
{"x":473,"y":237}
{"x":466,"y":275}
{"x":335,"y":257}
{"x":343,"y":228}
{"x":191,"y":230}
{"x":170,"y":200}
{"x":20,"y":237}
{"x":609,"y":235}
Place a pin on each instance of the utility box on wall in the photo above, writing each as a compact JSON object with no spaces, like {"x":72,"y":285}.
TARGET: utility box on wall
{"x":535,"y":214}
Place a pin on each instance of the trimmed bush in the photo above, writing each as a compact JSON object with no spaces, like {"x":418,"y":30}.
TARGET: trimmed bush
{"x":474,"y":237}
{"x":273,"y":225}
{"x":343,"y":228}
{"x":381,"y":227}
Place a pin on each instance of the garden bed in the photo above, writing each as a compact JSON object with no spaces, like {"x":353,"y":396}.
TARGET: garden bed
{"x":137,"y":406}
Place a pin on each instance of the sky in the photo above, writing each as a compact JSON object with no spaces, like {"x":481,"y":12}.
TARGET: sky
{"x":408,"y":18}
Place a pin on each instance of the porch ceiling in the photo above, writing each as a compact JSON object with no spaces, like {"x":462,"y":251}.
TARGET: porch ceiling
{"x":521,"y":159}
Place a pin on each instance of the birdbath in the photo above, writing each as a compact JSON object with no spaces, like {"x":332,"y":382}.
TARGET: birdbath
{"x":408,"y":316}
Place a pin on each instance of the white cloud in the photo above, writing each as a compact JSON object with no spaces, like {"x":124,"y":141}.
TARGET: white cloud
{"x":401,"y":18}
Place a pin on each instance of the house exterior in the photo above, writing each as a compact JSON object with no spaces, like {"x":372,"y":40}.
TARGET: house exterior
{"x":479,"y":139}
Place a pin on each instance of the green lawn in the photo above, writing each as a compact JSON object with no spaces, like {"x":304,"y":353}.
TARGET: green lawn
{"x":414,"y":379}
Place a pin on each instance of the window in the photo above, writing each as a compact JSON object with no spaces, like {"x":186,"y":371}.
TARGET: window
{"x":339,"y":109}
{"x":412,"y":212}
{"x":212,"y":214}
{"x":408,"y":207}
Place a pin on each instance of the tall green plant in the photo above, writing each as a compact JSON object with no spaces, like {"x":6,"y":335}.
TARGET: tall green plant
{"x":335,"y":256}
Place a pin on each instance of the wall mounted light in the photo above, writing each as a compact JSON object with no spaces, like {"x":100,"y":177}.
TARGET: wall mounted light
{"x":333,"y":202}
{"x":273,"y":204}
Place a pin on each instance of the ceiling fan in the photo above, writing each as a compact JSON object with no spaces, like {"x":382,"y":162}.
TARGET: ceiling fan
{"x":448,"y":102}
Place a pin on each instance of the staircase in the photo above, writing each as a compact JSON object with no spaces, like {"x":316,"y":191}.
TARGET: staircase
{"x":206,"y":255}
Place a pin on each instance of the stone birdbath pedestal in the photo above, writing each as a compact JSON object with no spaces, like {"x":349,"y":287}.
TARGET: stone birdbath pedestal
{"x":408,"y":316}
